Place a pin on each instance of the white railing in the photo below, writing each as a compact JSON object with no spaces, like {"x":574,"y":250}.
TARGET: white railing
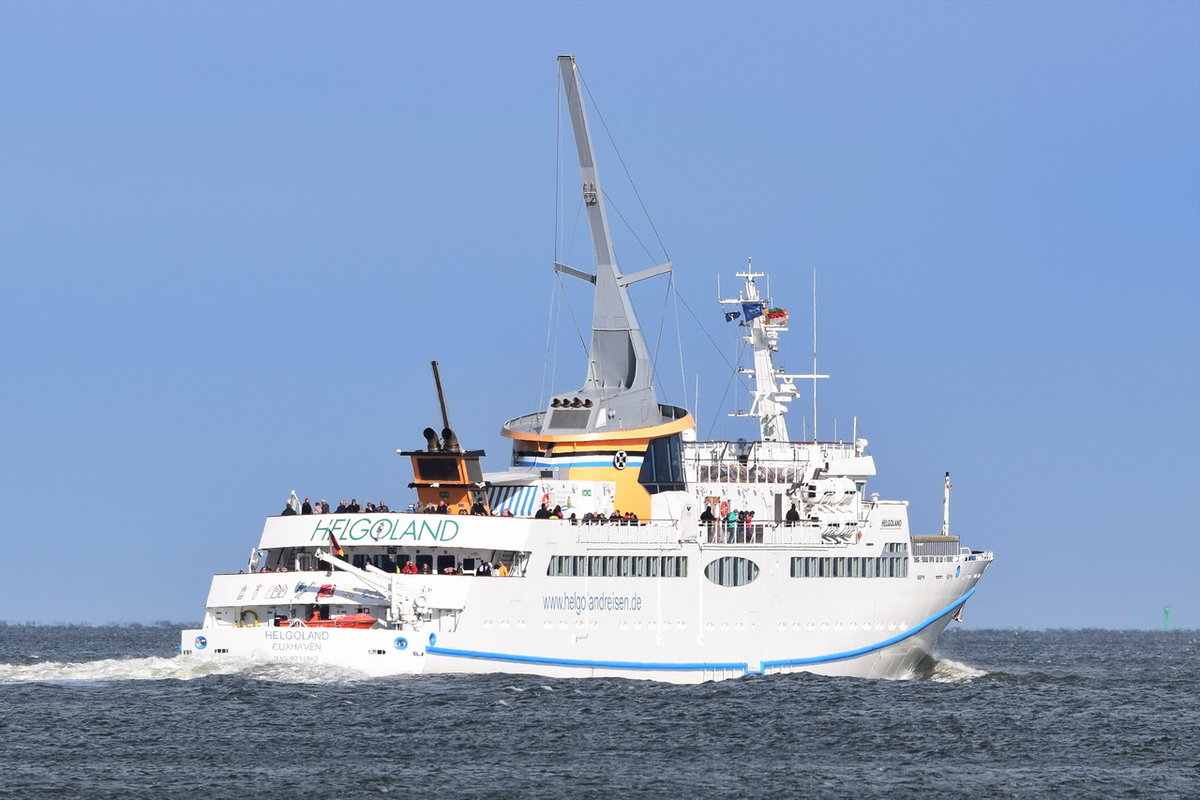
{"x":802,"y":534}
{"x":668,"y":532}
{"x":757,"y":462}
{"x":657,"y":532}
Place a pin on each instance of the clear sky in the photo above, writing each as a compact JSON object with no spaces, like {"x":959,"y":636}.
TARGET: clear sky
{"x":233,"y":235}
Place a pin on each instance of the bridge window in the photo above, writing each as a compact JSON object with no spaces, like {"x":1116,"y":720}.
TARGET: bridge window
{"x":662,"y":466}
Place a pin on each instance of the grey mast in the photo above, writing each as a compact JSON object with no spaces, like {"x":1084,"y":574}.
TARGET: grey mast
{"x":619,"y":389}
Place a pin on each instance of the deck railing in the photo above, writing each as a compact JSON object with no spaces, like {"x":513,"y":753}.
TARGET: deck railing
{"x":665,"y":532}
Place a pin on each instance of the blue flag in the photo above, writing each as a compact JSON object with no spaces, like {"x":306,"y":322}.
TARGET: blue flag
{"x":730,"y":316}
{"x":752,"y":310}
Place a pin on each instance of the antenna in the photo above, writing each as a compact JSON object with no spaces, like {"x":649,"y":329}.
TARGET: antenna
{"x":946,"y":507}
{"x":814,"y":370}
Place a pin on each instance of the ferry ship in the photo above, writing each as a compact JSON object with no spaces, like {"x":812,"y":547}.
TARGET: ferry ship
{"x":616,"y":544}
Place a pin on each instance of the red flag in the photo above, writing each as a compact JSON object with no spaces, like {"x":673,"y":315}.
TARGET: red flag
{"x":335,"y":547}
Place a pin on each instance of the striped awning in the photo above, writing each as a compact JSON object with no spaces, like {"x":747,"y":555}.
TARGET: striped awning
{"x":522,"y":501}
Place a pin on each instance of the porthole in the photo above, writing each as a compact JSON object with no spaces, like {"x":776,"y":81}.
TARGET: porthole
{"x":731,"y":571}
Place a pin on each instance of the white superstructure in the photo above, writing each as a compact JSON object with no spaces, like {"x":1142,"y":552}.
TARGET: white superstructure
{"x":676,"y":559}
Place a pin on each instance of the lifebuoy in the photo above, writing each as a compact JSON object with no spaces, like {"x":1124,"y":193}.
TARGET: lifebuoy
{"x":420,"y":603}
{"x":724,"y":507}
{"x":253,"y":615}
{"x":546,"y":498}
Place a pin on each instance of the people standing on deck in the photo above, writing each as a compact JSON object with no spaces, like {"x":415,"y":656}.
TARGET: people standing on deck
{"x":556,"y":513}
{"x":354,"y":507}
{"x":324,"y":506}
{"x":442,"y":508}
{"x":306,"y":507}
{"x":542,"y":513}
{"x":341,"y":507}
{"x":477,"y":510}
{"x":708,"y":519}
{"x":409,"y":568}
{"x":793,"y":516}
{"x":382,"y":507}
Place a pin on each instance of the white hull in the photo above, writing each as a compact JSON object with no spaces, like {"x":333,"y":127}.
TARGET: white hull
{"x":675,"y":629}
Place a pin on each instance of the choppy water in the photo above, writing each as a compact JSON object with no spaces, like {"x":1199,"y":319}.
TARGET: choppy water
{"x":107,"y":712}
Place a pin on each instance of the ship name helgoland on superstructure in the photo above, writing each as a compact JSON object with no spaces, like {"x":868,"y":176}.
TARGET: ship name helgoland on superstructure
{"x":651,"y":573}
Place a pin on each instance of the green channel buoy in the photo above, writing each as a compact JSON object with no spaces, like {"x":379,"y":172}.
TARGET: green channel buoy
{"x":1166,"y":618}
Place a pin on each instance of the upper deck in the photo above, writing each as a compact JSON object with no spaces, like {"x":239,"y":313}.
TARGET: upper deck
{"x":772,"y":462}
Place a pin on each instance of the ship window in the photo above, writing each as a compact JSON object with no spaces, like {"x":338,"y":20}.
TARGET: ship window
{"x":812,"y":567}
{"x":437,"y":469}
{"x":617,"y":566}
{"x":662,"y":466}
{"x":731,"y":571}
{"x":563,"y":418}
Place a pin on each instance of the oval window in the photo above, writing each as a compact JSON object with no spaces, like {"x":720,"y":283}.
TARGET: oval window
{"x":731,"y":571}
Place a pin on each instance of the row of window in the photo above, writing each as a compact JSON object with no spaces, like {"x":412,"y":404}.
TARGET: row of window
{"x":726,"y":571}
{"x":821,"y":567}
{"x":618,"y":566}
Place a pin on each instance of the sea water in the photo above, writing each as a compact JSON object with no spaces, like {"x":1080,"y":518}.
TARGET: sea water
{"x":110,"y":712}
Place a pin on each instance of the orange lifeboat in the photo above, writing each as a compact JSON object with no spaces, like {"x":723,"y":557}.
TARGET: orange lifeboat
{"x":347,"y":621}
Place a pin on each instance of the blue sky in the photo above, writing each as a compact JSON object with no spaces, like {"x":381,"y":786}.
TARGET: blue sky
{"x":232,"y":237}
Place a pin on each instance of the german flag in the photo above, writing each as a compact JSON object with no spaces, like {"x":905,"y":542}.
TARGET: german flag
{"x":335,"y":547}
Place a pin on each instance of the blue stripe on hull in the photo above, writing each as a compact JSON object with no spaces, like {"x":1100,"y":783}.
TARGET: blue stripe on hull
{"x":862,"y":651}
{"x":701,"y":666}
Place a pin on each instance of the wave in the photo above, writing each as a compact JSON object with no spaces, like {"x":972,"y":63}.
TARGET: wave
{"x":946,"y":670}
{"x":175,"y":668}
